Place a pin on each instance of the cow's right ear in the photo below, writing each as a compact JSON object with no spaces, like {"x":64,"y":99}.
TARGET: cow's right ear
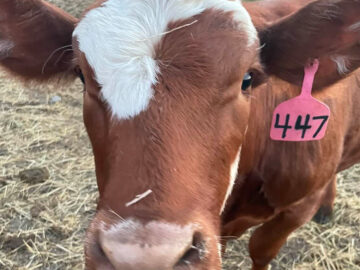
{"x":325,"y":29}
{"x":35,"y":39}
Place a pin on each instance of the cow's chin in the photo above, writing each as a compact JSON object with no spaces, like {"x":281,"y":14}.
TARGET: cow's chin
{"x":116,"y":243}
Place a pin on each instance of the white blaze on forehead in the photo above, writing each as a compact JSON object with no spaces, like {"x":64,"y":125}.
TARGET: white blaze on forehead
{"x":119,"y":38}
{"x":233,"y":175}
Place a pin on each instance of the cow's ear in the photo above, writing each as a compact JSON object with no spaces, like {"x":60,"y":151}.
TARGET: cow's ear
{"x":328,"y":30}
{"x":35,"y":39}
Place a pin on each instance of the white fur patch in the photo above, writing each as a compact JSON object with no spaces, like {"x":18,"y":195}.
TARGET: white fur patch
{"x":233,"y":174}
{"x":119,"y":40}
{"x":342,"y":63}
{"x":129,"y":228}
{"x":220,"y":252}
{"x":5,"y":48}
{"x":355,"y":27}
{"x":154,"y":245}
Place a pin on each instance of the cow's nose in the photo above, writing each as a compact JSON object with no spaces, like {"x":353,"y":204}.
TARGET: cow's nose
{"x":131,"y":245}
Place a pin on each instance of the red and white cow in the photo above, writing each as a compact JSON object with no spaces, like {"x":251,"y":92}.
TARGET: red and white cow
{"x":282,"y":185}
{"x":170,"y":112}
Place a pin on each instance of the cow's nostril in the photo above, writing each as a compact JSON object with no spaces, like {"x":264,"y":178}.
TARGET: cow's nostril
{"x":195,"y":253}
{"x":99,"y":250}
{"x":97,"y":254}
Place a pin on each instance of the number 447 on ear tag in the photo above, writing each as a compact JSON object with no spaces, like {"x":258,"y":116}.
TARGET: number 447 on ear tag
{"x":302,"y":118}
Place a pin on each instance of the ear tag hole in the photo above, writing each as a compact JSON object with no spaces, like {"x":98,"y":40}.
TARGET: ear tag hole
{"x":302,"y":118}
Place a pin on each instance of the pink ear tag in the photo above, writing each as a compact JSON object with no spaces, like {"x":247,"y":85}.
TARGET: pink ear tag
{"x":302,"y":118}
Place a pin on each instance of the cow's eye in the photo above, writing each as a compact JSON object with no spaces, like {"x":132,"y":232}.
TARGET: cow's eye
{"x":247,"y":81}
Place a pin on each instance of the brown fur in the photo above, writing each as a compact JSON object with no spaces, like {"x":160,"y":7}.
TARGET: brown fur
{"x":40,"y":55}
{"x":169,"y":148}
{"x":289,"y":173}
{"x":320,"y":30}
{"x":268,"y":12}
{"x":281,"y":185}
{"x":183,"y":145}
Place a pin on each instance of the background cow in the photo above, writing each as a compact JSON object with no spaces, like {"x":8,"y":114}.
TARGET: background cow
{"x":281,"y":185}
{"x":177,"y":143}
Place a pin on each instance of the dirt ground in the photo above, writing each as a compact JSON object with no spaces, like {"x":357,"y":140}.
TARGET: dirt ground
{"x":44,"y":212}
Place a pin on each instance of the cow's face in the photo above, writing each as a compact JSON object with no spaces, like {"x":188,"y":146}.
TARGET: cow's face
{"x":166,"y":107}
{"x":166,"y":101}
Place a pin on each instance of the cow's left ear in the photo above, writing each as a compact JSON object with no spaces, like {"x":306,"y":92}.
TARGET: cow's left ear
{"x":35,"y":39}
{"x":328,"y":30}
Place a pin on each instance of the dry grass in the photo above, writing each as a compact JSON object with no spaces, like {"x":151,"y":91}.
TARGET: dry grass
{"x":42,"y":224}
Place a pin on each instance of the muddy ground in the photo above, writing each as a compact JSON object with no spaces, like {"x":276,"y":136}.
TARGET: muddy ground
{"x":44,"y":213}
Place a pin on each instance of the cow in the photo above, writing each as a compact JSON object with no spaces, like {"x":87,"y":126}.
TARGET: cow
{"x":177,"y":98}
{"x":282,"y":185}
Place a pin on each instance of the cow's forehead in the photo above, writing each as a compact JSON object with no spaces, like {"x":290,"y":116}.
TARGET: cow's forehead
{"x":119,"y":40}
